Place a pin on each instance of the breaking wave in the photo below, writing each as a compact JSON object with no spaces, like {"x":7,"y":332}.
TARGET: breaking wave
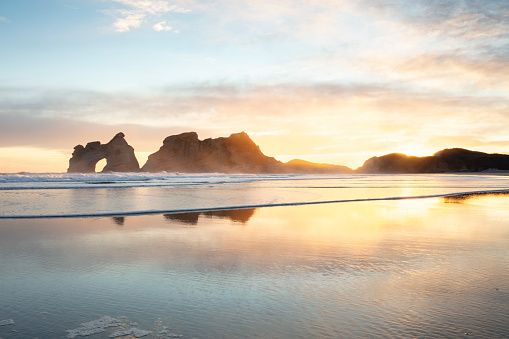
{"x":24,"y":180}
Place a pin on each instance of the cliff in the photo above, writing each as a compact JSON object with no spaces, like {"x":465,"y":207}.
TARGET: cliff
{"x":239,"y":154}
{"x":234,"y":154}
{"x":445,"y":161}
{"x":118,"y":153}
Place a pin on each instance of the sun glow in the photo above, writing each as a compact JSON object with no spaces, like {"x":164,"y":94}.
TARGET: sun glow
{"x":34,"y":160}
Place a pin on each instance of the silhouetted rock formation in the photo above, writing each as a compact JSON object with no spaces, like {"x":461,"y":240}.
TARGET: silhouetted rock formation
{"x":445,"y":161}
{"x":235,"y":154}
{"x":118,"y":154}
{"x":239,"y":154}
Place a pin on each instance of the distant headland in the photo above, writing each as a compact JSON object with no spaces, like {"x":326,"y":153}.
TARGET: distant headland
{"x":239,"y":154}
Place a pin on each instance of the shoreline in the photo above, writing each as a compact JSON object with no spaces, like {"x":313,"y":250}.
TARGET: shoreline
{"x":353,"y":269}
{"x":243,"y":207}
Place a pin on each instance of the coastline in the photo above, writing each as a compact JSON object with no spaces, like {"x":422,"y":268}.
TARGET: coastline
{"x":246,"y":207}
{"x":54,"y":196}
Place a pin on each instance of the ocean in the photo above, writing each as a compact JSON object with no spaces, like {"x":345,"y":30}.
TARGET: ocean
{"x":97,"y":194}
{"x":254,"y":256}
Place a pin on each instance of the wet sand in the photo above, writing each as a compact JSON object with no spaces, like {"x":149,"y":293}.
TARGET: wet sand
{"x":435,"y":267}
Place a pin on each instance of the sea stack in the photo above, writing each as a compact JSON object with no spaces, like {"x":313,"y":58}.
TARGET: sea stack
{"x":118,"y":153}
{"x":234,"y":154}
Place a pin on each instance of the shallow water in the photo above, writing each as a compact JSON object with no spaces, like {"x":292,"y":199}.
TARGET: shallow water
{"x":35,"y":195}
{"x":435,"y":267}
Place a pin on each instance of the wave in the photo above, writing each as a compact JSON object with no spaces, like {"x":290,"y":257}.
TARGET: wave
{"x":31,"y":181}
{"x":23,"y":180}
{"x":460,"y":195}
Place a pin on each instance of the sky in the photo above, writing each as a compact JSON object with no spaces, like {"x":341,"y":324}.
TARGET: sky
{"x":325,"y":81}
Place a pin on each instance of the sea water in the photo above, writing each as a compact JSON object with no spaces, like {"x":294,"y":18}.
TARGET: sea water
{"x":54,"y":195}
{"x":374,"y":265}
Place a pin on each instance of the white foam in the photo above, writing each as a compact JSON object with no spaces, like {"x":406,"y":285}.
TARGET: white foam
{"x":137,"y":333}
{"x":100,"y":325}
{"x":93,"y":327}
{"x":20,"y":181}
{"x":6,"y":322}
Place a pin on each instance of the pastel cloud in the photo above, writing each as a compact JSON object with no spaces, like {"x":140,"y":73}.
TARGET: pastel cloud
{"x":130,"y":20}
{"x":3,"y":19}
{"x":161,"y":26}
{"x":153,"y":6}
{"x":323,"y":122}
{"x":141,"y":10}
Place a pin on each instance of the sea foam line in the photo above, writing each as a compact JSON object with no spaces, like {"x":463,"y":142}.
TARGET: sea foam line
{"x":116,"y":180}
{"x":238,"y":207}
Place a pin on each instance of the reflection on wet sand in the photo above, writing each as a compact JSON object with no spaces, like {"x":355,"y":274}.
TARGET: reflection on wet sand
{"x":191,"y":218}
{"x":461,"y":198}
{"x":119,"y":220}
{"x":394,"y":268}
{"x":244,"y":215}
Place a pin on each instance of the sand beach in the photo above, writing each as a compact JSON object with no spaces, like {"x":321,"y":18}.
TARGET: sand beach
{"x":431,"y":267}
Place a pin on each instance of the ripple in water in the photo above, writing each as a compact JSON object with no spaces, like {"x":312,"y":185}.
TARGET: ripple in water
{"x":390,"y":269}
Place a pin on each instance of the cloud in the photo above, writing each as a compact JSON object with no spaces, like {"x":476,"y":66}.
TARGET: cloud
{"x":153,"y":6}
{"x":139,"y":11}
{"x":161,"y":26}
{"x":130,"y":20}
{"x":481,"y":25}
{"x":3,"y":19}
{"x":361,"y":120}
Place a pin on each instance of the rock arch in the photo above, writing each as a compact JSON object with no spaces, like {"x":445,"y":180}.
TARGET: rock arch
{"x":118,"y":153}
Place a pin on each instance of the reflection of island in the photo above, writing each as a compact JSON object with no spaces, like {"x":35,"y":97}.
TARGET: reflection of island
{"x":460,"y":198}
{"x":191,"y":218}
{"x":118,"y":220}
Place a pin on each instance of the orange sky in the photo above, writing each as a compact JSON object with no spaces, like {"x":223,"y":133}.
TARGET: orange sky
{"x":325,"y":81}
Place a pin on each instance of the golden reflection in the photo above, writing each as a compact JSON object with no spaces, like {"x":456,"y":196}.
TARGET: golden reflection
{"x":463,"y":198}
{"x":282,"y":234}
{"x":410,"y":207}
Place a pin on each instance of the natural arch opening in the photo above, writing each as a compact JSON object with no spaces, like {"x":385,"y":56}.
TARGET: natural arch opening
{"x":99,"y":166}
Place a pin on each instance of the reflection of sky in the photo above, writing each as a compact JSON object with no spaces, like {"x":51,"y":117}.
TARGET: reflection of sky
{"x":364,"y":268}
